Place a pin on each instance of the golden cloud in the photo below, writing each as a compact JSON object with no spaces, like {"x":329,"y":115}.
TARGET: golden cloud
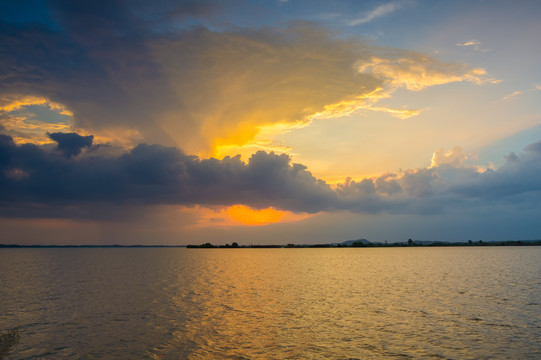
{"x":416,"y":72}
{"x":12,"y":102}
{"x":231,"y":85}
{"x":25,"y":126}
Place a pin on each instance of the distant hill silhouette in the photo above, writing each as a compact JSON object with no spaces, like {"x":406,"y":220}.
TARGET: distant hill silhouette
{"x":351,"y":242}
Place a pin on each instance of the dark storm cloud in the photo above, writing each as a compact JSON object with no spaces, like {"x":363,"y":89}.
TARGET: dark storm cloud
{"x":520,"y":174}
{"x":40,"y":181}
{"x":153,"y":174}
{"x":71,"y":143}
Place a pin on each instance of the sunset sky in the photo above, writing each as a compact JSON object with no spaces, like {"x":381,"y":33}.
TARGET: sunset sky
{"x":269,"y":122}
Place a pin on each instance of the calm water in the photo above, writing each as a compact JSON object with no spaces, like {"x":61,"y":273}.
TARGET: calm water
{"x":421,"y":303}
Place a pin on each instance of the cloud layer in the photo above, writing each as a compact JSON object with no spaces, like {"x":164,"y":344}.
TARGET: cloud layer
{"x":141,"y":71}
{"x":46,"y":181}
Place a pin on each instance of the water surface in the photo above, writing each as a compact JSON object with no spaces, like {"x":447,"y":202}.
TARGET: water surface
{"x":175,"y":303}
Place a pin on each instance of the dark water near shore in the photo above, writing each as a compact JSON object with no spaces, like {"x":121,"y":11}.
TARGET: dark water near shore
{"x":419,"y":303}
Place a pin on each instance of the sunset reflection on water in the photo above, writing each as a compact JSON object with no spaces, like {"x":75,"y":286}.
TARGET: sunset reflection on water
{"x":356,"y":303}
{"x":466,"y":303}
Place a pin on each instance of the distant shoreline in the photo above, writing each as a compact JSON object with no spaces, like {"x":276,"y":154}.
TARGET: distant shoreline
{"x":366,"y":244}
{"x":348,"y":244}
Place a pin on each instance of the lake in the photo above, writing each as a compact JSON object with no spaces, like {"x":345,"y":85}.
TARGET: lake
{"x":341,"y":303}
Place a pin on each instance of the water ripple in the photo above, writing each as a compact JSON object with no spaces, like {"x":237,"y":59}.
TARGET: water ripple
{"x":423,"y":303}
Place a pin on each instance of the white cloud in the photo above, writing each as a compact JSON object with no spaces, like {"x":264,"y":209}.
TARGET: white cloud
{"x":519,"y":92}
{"x":512,"y":95}
{"x":474,"y":44}
{"x":398,"y":113}
{"x":454,"y":157}
{"x":380,"y":11}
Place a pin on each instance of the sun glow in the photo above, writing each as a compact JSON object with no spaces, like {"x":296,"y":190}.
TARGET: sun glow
{"x":241,"y":215}
{"x":248,"y":216}
{"x":264,"y":140}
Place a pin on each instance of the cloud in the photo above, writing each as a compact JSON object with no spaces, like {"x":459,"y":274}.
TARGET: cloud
{"x":454,"y":157}
{"x":12,"y":102}
{"x":401,"y":69}
{"x":38,"y":181}
{"x":399,"y":113}
{"x":233,"y":83}
{"x":84,"y":67}
{"x":196,"y":87}
{"x":475,"y":44}
{"x":29,"y":118}
{"x":518,"y":176}
{"x":71,"y":144}
{"x":519,"y":92}
{"x":379,"y":11}
{"x":512,"y":95}
{"x":152,"y":174}
{"x":141,"y":71}
{"x":469,"y":43}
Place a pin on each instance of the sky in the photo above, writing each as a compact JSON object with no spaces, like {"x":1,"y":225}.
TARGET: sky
{"x":269,"y":122}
